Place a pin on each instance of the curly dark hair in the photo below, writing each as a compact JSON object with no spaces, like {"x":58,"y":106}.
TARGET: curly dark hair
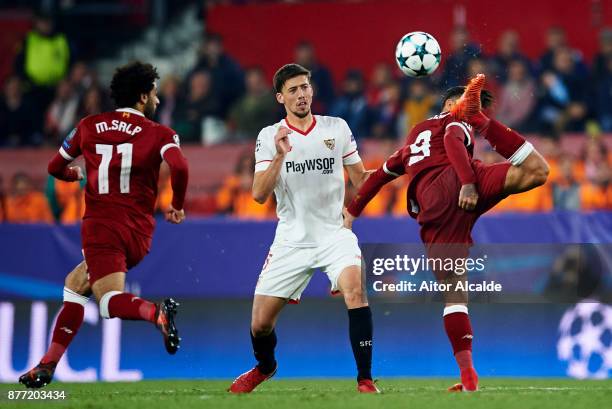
{"x":486,"y":97}
{"x":131,"y":81}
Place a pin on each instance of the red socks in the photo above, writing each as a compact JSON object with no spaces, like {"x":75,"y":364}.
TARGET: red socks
{"x":505,"y":141}
{"x":127,"y":307}
{"x":458,"y":328}
{"x":113,"y":304}
{"x":67,"y":325}
{"x":459,"y":331}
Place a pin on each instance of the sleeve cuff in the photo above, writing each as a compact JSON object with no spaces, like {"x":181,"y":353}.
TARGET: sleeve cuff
{"x":351,"y":158}
{"x":262,"y":165}
{"x":65,"y":154}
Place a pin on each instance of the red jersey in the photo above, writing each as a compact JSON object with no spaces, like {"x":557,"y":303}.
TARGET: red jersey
{"x":429,"y":149}
{"x":123,"y":151}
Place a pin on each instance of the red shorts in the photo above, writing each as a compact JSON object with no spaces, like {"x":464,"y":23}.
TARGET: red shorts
{"x":111,"y":247}
{"x":440,"y":217}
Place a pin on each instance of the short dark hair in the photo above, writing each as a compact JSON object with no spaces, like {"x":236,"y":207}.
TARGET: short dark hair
{"x":286,"y":72}
{"x":131,"y":81}
{"x":486,"y":97}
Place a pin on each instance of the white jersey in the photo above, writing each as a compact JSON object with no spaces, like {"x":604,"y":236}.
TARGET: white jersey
{"x":310,"y":189}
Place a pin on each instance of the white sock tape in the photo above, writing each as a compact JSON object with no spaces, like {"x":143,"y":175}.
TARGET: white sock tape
{"x":521,"y":154}
{"x":104,"y":303}
{"x":455,"y":308}
{"x":71,"y":296}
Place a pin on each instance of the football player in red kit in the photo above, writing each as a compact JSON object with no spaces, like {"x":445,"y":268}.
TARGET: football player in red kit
{"x":123,"y":151}
{"x":448,"y":190}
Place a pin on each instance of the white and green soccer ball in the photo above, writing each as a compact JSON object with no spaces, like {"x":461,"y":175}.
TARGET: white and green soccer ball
{"x":418,"y":54}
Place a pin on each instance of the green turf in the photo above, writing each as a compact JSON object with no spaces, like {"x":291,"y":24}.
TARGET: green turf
{"x":329,"y":394}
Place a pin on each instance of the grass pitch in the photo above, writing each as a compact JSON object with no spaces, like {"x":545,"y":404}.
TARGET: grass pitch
{"x":327,"y":393}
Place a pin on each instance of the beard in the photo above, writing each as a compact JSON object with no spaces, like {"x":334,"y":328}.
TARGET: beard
{"x":301,"y":115}
{"x":149,"y":109}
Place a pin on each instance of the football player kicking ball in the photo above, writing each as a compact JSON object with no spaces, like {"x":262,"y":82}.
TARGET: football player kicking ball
{"x":449,"y":190}
{"x":123,"y":151}
{"x":301,"y":159}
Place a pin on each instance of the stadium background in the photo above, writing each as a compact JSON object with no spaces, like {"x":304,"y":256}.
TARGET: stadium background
{"x":553,"y":79}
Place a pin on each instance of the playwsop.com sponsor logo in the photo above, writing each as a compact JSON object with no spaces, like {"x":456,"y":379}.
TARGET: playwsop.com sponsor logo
{"x":548,"y":272}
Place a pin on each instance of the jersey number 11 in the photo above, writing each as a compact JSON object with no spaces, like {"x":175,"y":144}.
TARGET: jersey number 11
{"x":125,"y":150}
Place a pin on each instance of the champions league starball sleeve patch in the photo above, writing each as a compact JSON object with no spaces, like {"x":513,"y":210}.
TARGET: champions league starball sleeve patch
{"x":67,"y":141}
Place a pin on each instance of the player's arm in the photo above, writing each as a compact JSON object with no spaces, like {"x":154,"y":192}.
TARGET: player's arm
{"x":358,"y":174}
{"x":350,"y":157}
{"x":269,"y":164}
{"x":179,"y":176}
{"x":454,"y":139}
{"x":59,"y":166}
{"x":390,"y":170}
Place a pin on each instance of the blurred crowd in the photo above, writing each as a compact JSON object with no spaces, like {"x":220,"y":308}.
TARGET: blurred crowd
{"x":220,"y":101}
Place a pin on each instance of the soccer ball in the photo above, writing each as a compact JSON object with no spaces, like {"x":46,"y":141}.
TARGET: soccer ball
{"x":585,"y":340}
{"x":418,"y":54}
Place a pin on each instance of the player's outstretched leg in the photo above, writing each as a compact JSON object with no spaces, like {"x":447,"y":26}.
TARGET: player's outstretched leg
{"x":69,"y":320}
{"x":360,"y":326}
{"x":263,"y":338}
{"x":114,"y":303}
{"x":459,"y":331}
{"x":529,"y":169}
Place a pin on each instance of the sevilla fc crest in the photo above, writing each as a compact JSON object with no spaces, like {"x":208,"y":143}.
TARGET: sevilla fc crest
{"x":330,"y":143}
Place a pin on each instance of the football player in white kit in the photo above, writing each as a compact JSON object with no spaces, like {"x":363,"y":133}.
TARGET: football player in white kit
{"x":302,"y":159}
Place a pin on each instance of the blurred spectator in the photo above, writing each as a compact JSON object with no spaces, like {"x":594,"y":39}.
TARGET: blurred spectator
{"x":2,"y":201}
{"x":199,"y":103}
{"x":385,"y":115}
{"x":507,"y":53}
{"x":517,"y":100}
{"x":92,"y":103}
{"x":321,"y":77}
{"x":235,"y":196}
{"x":42,"y":62}
{"x":255,"y":110}
{"x":600,"y":61}
{"x":66,"y":199}
{"x":226,"y":76}
{"x":351,"y":104}
{"x":61,"y":116}
{"x":81,"y":78}
{"x":562,"y":103}
{"x":601,"y":103}
{"x":45,"y":55}
{"x":418,"y":105}
{"x":556,"y":40}
{"x":566,"y":190}
{"x":596,"y":193}
{"x":16,"y":127}
{"x":461,"y":52}
{"x":25,"y":204}
{"x":480,"y":66}
{"x":381,"y":77}
{"x":168,"y":100}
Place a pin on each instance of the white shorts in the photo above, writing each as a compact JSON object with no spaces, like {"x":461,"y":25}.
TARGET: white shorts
{"x":287,"y":270}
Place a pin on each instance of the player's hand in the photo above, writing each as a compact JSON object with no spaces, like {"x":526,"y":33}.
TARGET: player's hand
{"x":348,"y":219}
{"x":468,"y":197}
{"x":78,"y":171}
{"x":175,"y":216}
{"x":281,"y":140}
